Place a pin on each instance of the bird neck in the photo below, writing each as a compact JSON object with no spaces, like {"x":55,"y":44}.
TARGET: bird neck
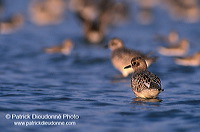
{"x":139,"y":71}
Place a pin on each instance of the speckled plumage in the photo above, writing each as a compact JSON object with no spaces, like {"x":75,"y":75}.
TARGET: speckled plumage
{"x":144,"y":83}
{"x":121,"y":56}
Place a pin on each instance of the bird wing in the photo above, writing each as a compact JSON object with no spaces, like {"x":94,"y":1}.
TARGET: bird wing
{"x":155,"y":81}
{"x":140,"y":82}
{"x":145,"y":80}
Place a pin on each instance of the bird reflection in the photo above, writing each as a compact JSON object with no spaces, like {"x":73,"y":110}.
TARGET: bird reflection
{"x":142,"y":100}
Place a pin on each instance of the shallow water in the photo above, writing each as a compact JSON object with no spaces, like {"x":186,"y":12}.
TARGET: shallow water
{"x":85,"y":83}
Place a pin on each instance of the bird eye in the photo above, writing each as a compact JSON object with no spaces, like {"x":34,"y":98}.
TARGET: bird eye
{"x":134,"y":63}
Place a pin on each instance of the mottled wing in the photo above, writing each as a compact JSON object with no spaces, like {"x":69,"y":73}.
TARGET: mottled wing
{"x":145,"y":80}
{"x":155,"y":81}
{"x":140,"y":82}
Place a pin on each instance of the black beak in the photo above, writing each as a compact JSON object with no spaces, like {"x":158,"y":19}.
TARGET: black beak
{"x":126,"y":67}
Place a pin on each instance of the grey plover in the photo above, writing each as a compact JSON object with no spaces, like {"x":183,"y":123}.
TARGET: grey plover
{"x":94,"y":31}
{"x":10,"y":25}
{"x":97,"y":16}
{"x":179,"y":49}
{"x":193,"y":60}
{"x":121,"y":56}
{"x":144,"y":83}
{"x":47,"y":12}
{"x":65,"y":48}
{"x":111,"y":11}
{"x":183,"y":10}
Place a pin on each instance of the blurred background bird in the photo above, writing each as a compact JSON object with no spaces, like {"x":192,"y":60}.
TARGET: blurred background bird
{"x":180,"y":49}
{"x":121,"y":56}
{"x":65,"y":48}
{"x":193,"y":60}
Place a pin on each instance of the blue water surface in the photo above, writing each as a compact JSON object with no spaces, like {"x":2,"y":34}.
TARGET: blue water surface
{"x":86,"y":84}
